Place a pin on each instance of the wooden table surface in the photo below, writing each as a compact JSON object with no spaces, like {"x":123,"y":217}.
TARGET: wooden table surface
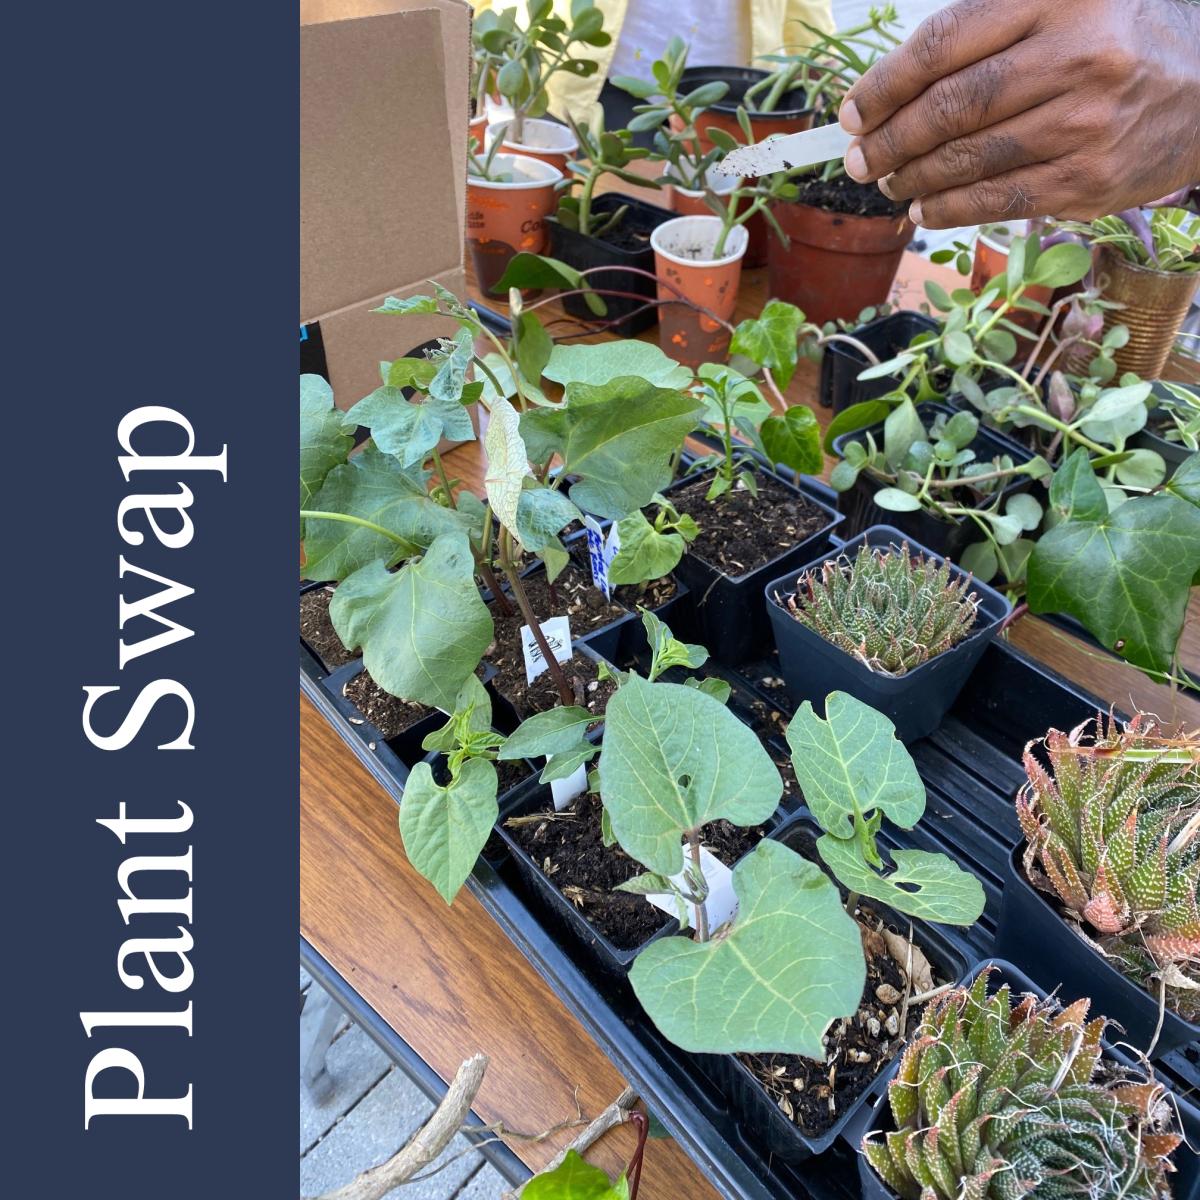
{"x":451,"y":984}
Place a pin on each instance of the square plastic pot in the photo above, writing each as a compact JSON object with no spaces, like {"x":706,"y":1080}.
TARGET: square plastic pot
{"x":885,"y":337}
{"x":950,"y":538}
{"x":1033,"y":935}
{"x":914,"y":702}
{"x":583,"y":252}
{"x":728,"y":616}
{"x":754,"y":1109}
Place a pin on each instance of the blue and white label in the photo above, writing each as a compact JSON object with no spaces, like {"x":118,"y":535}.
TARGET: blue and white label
{"x":601,"y":552}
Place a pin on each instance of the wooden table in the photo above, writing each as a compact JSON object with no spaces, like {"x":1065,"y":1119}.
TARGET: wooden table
{"x":450,"y":983}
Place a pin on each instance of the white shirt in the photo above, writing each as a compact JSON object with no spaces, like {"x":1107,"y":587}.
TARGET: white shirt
{"x":717,"y":32}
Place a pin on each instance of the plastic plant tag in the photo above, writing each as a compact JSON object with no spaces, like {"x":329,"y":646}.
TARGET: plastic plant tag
{"x":557,"y":632}
{"x":721,"y":903}
{"x":601,"y":552}
{"x":565,"y":790}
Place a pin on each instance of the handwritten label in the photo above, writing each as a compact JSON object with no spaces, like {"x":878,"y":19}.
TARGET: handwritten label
{"x":565,"y":790}
{"x":721,"y":903}
{"x":601,"y":552}
{"x":557,"y":632}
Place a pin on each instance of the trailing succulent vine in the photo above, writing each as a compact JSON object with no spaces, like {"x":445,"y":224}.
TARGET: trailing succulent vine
{"x":1113,"y":833}
{"x":889,"y":609}
{"x":1004,"y":1098}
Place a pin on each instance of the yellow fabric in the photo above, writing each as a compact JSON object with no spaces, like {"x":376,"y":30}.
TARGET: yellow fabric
{"x":773,"y":24}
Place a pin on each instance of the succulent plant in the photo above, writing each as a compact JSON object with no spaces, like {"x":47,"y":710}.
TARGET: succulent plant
{"x":890,"y":609}
{"x":999,"y":1098}
{"x":1113,"y":831}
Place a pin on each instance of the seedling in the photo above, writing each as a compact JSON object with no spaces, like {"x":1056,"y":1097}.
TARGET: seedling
{"x":606,"y":154}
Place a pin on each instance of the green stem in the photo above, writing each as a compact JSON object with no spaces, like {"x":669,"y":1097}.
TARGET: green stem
{"x":309,"y":514}
{"x":585,"y":202}
{"x":445,"y":479}
{"x":701,"y":909}
{"x":1027,"y":410}
{"x":508,"y":362}
{"x":489,"y":373}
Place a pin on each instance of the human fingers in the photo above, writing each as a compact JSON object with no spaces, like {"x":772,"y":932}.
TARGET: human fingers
{"x":1045,"y":189}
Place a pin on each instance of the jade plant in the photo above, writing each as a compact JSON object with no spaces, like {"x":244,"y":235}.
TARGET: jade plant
{"x":602,"y":152}
{"x":889,"y":609}
{"x":1000,"y":1098}
{"x":1112,"y":828}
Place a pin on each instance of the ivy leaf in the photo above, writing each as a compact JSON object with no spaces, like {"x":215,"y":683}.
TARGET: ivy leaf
{"x":373,"y":487}
{"x":852,"y":762}
{"x":574,"y":1179}
{"x":541,"y":513}
{"x":645,"y":553}
{"x":551,"y":732}
{"x":929,"y":886}
{"x":409,"y":429}
{"x":605,"y":361}
{"x":673,"y":760}
{"x":507,"y":462}
{"x":326,"y":436}
{"x":422,"y":629}
{"x":794,"y":439}
{"x":1185,"y":483}
{"x":1124,"y":574}
{"x":791,"y":964}
{"x":771,"y":340}
{"x":619,"y":437}
{"x":1075,"y":493}
{"x":445,"y":828}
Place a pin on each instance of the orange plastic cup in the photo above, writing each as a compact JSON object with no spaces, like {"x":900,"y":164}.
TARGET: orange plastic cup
{"x":547,"y":141}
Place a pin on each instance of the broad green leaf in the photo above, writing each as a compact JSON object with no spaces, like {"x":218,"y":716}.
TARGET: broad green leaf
{"x":1142,"y":468}
{"x":712,"y":686}
{"x":451,"y":377}
{"x":895,"y":500}
{"x":901,"y":428}
{"x":791,"y":965}
{"x":409,"y":372}
{"x":445,"y":828}
{"x":666,"y":650}
{"x":507,"y":462}
{"x":599,"y":364}
{"x":566,"y":762}
{"x":850,"y":420}
{"x":929,"y":886}
{"x":374,"y":487}
{"x":619,"y":438}
{"x":645,"y":552}
{"x":326,"y":437}
{"x":1125,"y":575}
{"x":771,"y":339}
{"x":475,"y":704}
{"x":534,"y":346}
{"x":1185,"y":483}
{"x":574,"y":1179}
{"x":852,"y":763}
{"x":673,"y":760}
{"x":411,"y":429}
{"x":980,"y":559}
{"x":1117,"y":414}
{"x":549,"y":732}
{"x":498,"y":370}
{"x":1061,"y":265}
{"x":541,"y":513}
{"x":794,"y":439}
{"x":1075,"y":493}
{"x":422,"y":629}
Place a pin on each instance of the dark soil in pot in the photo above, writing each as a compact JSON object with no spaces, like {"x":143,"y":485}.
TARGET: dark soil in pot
{"x":581,"y":672}
{"x":389,"y":714}
{"x":572,"y":595}
{"x":646,"y":595}
{"x":570,"y":851}
{"x":740,"y":531}
{"x":843,"y":195}
{"x":317,"y":629}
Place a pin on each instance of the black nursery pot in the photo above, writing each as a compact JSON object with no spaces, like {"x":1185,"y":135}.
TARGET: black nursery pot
{"x":1173,"y":453}
{"x":841,"y":363}
{"x":944,"y":537}
{"x":757,"y":1111}
{"x":727,"y":613}
{"x":1033,"y":935}
{"x":914,"y":702}
{"x":583,"y":252}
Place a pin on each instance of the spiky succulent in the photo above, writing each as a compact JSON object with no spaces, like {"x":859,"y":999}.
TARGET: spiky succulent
{"x":890,"y":609}
{"x":999,"y":1098}
{"x":1112,"y":830}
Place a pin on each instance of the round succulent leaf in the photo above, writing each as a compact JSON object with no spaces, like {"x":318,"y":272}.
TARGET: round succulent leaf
{"x":852,"y":762}
{"x":791,"y":965}
{"x":895,"y":500}
{"x":901,"y":428}
{"x":1026,"y":509}
{"x":979,"y":558}
{"x":673,"y":760}
{"x":843,"y":476}
{"x":1142,"y":468}
{"x":961,"y":429}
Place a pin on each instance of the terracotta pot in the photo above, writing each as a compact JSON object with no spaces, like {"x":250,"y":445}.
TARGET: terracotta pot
{"x":683,"y":257}
{"x":991,"y":259}
{"x":835,"y":265}
{"x":477,"y":129}
{"x":504,"y":218}
{"x":1156,"y":303}
{"x":547,"y":141}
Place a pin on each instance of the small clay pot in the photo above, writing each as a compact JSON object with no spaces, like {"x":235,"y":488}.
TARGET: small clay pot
{"x":505,"y":218}
{"x":1156,"y":303}
{"x":547,"y":141}
{"x":835,"y":264}
{"x":683,"y":257}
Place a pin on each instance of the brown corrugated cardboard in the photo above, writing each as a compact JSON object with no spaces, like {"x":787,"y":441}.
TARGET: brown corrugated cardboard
{"x":383,"y":126}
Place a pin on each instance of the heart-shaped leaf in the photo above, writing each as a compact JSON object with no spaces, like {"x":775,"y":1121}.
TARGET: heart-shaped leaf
{"x":326,"y":436}
{"x":771,"y":339}
{"x":574,"y":1179}
{"x":673,"y":760}
{"x":645,"y":553}
{"x":445,"y":828}
{"x":791,"y":964}
{"x":851,"y":763}
{"x":605,"y":361}
{"x":541,"y":513}
{"x":411,"y":429}
{"x":794,"y":439}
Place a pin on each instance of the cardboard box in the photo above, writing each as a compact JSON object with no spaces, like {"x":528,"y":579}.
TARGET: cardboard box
{"x":384,"y":88}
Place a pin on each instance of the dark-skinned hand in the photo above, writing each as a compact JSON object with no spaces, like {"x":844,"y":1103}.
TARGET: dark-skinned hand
{"x":1001,"y":109}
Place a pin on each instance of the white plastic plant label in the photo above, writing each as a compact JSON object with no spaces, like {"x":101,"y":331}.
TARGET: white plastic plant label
{"x":601,"y":552}
{"x":721,"y":903}
{"x":557,"y":632}
{"x":565,"y":790}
